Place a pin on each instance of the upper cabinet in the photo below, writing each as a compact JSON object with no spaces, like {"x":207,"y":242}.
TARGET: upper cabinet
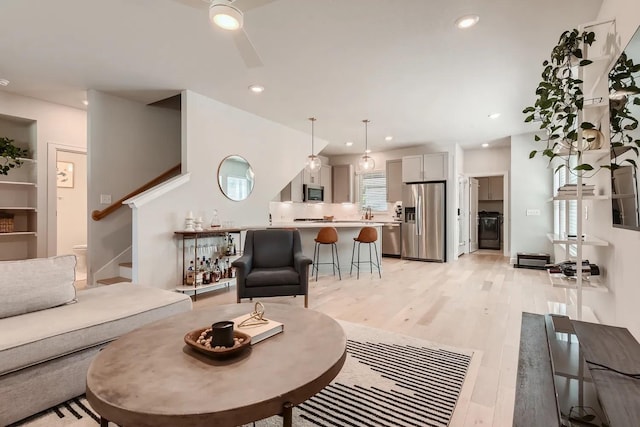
{"x":326,"y":181}
{"x":490,"y":188}
{"x":427,"y":167}
{"x":342,"y":183}
{"x":394,"y":180}
{"x":311,"y":177}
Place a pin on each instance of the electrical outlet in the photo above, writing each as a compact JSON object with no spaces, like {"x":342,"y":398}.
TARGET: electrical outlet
{"x":533,"y":212}
{"x":105,"y":199}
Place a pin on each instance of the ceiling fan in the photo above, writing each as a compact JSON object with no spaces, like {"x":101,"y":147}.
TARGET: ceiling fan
{"x":229,"y":15}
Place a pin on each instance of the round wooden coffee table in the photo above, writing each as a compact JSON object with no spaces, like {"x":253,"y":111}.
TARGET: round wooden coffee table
{"x":150,"y":377}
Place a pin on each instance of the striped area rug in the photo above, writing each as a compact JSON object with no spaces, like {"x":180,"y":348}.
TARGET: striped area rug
{"x":387,"y":380}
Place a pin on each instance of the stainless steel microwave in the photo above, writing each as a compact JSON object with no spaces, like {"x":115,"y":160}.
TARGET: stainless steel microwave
{"x":312,"y":193}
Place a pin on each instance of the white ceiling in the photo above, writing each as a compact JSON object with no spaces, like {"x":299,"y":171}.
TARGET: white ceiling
{"x":400,"y":63}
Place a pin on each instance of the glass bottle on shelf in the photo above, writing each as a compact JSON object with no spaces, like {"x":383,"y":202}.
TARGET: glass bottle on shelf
{"x":215,"y":221}
{"x":191,"y":277}
{"x":217,"y":273}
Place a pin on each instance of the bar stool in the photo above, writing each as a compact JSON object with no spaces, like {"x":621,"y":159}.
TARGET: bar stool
{"x":326,"y":236}
{"x":367,"y":235}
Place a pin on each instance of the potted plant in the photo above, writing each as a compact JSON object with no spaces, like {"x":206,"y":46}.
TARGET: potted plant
{"x":623,"y":124}
{"x":10,"y":155}
{"x":560,"y":98}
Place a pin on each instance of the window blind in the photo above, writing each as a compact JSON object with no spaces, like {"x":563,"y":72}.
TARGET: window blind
{"x":373,"y":190}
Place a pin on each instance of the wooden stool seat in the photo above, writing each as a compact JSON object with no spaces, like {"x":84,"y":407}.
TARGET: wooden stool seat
{"x":326,"y":236}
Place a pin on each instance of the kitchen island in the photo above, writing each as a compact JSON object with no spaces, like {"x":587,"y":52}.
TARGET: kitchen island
{"x":346,"y":232}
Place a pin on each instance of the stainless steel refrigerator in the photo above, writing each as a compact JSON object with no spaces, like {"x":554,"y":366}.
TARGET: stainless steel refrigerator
{"x":423,"y":228}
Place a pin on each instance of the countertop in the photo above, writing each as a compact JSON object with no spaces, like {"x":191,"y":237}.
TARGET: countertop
{"x":320,"y":224}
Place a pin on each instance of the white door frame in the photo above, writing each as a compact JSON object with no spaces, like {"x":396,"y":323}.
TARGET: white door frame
{"x":463,"y":205}
{"x":52,"y":192}
{"x":507,"y":206}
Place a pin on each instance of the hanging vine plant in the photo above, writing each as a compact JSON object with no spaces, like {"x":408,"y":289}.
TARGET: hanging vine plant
{"x":10,"y":155}
{"x":560,"y":98}
{"x":623,"y":92}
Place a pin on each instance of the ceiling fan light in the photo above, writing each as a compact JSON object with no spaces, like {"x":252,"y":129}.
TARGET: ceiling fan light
{"x":225,"y":16}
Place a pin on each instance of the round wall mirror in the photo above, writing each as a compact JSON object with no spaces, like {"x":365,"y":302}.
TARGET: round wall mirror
{"x":235,"y":178}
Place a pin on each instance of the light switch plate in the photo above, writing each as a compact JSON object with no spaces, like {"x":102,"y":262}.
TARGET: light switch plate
{"x":105,"y":199}
{"x":533,"y":212}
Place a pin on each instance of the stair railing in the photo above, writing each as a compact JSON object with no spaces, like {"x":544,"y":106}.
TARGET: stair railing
{"x":98,"y":215}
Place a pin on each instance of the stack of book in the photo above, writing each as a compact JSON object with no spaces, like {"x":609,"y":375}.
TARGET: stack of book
{"x":572,"y":190}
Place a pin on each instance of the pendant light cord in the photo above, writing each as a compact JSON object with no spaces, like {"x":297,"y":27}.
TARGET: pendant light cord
{"x":312,"y":119}
{"x":366,"y":138}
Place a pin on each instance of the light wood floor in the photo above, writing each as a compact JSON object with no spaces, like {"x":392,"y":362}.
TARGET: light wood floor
{"x":473,"y":303}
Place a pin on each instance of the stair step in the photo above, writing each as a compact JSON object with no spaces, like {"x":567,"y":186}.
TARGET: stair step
{"x":113,"y":280}
{"x":126,"y":264}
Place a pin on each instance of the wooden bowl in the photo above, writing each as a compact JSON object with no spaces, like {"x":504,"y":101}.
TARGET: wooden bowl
{"x":191,"y":339}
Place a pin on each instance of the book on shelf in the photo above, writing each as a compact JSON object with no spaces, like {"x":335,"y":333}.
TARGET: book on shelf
{"x":257,"y":331}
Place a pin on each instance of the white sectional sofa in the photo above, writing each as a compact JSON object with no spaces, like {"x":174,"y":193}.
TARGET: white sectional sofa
{"x":49,"y":333}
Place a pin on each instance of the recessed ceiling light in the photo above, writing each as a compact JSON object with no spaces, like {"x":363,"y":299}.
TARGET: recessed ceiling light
{"x":4,"y":82}
{"x":494,"y":115}
{"x":256,"y":88}
{"x":348,"y":143}
{"x":485,"y":145}
{"x":388,"y":138}
{"x":467,"y":21}
{"x":85,"y":102}
{"x":368,"y":150}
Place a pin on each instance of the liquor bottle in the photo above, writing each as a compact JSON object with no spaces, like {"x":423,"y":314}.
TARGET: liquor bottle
{"x":217,"y":273}
{"x":228,"y":269}
{"x":191,"y":277}
{"x":199,"y":274}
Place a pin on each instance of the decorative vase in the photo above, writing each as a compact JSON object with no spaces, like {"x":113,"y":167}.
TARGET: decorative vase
{"x":592,"y":139}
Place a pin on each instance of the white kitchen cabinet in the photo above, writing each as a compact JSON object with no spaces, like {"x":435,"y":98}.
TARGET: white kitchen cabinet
{"x":326,"y":181}
{"x":490,"y":188}
{"x":311,"y":177}
{"x":394,"y":180}
{"x":427,"y":167}
{"x":342,"y":183}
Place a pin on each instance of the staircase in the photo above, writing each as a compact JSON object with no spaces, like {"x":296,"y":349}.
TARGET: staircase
{"x":125,"y":275}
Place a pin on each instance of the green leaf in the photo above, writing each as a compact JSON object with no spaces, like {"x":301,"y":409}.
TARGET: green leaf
{"x":587,"y":125}
{"x":559,"y":167}
{"x":532,"y":154}
{"x":584,"y":167}
{"x":585,"y":62}
{"x":536,"y":138}
{"x":528,"y":110}
{"x":548,"y":152}
{"x":528,"y":119}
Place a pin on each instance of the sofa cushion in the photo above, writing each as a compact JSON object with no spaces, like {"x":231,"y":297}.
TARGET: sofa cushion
{"x":272,"y":248}
{"x":272,"y":276}
{"x":35,"y":284}
{"x":100,"y":315}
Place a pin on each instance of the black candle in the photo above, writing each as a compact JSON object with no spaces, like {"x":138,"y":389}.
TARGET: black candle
{"x":222,"y":334}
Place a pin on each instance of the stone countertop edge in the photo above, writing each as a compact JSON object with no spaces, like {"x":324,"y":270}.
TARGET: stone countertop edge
{"x":306,"y":224}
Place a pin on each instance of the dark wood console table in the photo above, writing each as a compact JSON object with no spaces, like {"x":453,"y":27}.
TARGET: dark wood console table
{"x":555,"y":347}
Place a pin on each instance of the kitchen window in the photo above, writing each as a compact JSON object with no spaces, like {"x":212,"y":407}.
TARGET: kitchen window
{"x":373,"y":190}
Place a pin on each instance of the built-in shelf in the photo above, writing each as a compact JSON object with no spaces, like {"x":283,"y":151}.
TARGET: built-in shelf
{"x":17,"y":208}
{"x":22,"y":159}
{"x":615,"y":152}
{"x":19,"y":233}
{"x":623,"y":196}
{"x":28,"y":184}
{"x":586,"y":154}
{"x":589,"y":283}
{"x":574,"y":197}
{"x":586,"y":241}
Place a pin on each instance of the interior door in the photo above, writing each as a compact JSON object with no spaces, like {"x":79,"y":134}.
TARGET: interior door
{"x":473,"y":214}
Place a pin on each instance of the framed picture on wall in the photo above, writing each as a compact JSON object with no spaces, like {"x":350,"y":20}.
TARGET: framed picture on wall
{"x":64,"y":174}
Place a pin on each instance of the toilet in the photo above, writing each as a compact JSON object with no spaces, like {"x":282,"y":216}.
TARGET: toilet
{"x":80,"y":252}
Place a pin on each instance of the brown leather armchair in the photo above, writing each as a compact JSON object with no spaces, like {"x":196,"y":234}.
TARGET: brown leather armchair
{"x":272,"y":265}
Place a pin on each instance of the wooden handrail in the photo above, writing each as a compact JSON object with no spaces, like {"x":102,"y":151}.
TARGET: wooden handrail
{"x":98,"y":215}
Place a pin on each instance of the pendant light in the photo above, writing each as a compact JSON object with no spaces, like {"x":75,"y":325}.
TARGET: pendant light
{"x":313,"y":161}
{"x":366,"y":162}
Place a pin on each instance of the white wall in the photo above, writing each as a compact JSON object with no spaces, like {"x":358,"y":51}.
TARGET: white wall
{"x":487,"y":161}
{"x":212,"y":131}
{"x":129,"y":144}
{"x":531,"y":187}
{"x":54,"y":123}
{"x":72,"y":205}
{"x":620,"y":259}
